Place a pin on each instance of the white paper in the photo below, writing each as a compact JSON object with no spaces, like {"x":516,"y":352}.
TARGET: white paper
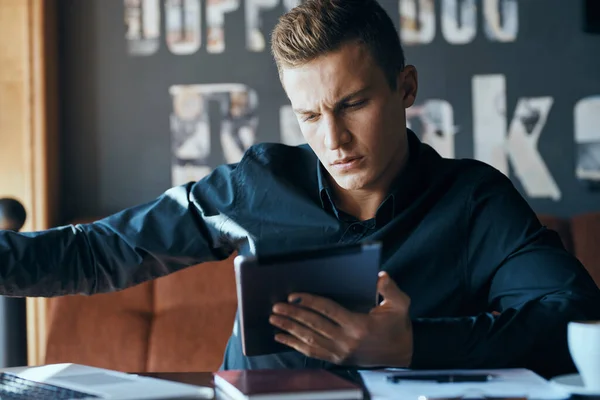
{"x":507,"y":383}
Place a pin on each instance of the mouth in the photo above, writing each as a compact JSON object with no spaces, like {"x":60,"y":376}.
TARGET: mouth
{"x":346,"y":163}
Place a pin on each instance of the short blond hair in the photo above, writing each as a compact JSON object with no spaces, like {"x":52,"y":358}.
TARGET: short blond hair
{"x":317,"y":27}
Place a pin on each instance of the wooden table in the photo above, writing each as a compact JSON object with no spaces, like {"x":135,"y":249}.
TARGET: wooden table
{"x":206,"y":379}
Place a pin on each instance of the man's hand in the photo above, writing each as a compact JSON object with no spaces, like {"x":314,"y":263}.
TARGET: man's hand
{"x":320,"y":328}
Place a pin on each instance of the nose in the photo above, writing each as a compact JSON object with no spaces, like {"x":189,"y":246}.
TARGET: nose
{"x":334,"y":131}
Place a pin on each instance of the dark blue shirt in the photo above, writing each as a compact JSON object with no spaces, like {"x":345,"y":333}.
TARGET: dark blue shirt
{"x":457,"y":238}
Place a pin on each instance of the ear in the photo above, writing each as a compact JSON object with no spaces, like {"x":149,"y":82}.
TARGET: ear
{"x":408,"y":85}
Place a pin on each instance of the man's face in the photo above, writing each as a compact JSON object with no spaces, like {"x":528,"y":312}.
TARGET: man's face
{"x":350,"y":116}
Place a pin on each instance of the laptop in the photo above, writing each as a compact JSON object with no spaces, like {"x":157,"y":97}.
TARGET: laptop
{"x":75,"y":381}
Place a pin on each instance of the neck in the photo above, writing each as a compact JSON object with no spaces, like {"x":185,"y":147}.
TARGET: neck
{"x":363,"y":203}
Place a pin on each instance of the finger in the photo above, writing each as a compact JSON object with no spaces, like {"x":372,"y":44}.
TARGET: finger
{"x":393,"y":296}
{"x":323,"y":306}
{"x":308,"y":318}
{"x":302,"y":333}
{"x":304,"y":348}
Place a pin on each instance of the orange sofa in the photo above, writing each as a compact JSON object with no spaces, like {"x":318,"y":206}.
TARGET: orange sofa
{"x":181,"y":322}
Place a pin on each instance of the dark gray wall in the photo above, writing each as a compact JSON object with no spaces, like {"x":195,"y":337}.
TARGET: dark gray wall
{"x":116,"y":138}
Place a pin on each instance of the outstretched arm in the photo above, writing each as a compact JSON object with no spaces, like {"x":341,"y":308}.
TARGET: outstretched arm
{"x":180,"y":228}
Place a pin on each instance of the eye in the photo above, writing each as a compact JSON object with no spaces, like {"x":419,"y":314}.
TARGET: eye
{"x":356,"y":104}
{"x":309,"y":118}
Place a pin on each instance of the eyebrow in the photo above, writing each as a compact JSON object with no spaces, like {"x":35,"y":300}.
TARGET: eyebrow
{"x":339,"y":102}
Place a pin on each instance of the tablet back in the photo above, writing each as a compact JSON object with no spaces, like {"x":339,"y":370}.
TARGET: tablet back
{"x":346,"y":274}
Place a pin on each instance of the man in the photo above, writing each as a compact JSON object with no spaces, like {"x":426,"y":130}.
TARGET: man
{"x":471,"y":277}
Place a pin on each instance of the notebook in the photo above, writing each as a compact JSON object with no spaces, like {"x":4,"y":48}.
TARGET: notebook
{"x":286,"y":384}
{"x":515,"y":383}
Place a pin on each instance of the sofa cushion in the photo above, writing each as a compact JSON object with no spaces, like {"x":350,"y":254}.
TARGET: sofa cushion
{"x":104,"y":330}
{"x":177,"y":323}
{"x":194,"y":311}
{"x":560,"y":226}
{"x":586,"y":242}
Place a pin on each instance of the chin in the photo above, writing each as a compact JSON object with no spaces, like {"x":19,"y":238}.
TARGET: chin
{"x":351,"y":181}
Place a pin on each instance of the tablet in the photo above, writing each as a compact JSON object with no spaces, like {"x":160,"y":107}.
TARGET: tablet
{"x":346,"y":274}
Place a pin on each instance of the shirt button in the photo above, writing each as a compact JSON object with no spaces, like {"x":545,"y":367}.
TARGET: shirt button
{"x":356,"y":228}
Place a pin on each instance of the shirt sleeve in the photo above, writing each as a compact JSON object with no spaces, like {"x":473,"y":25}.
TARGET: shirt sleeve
{"x":519,"y":269}
{"x":182,"y":227}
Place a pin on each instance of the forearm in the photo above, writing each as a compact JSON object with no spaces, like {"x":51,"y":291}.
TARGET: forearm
{"x":136,"y":245}
{"x":533,"y":336}
{"x":46,"y":263}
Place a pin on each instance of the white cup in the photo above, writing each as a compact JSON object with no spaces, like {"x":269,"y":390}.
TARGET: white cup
{"x":584,"y":346}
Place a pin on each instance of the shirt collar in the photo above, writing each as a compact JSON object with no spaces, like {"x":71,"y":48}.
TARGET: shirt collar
{"x":400,"y":190}
{"x":324,"y":189}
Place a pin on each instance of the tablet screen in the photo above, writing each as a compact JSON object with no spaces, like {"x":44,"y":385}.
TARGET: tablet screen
{"x":346,"y":274}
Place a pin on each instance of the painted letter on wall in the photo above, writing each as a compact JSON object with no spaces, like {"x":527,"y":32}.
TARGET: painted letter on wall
{"x":494,"y":145}
{"x":436,"y":120}
{"x":587,"y":139}
{"x":142,"y":26}
{"x":459,"y":20}
{"x":183,"y":25}
{"x":501,"y":20}
{"x":215,"y":19}
{"x":417,"y":21}
{"x":193,"y":153}
{"x":255,"y":40}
